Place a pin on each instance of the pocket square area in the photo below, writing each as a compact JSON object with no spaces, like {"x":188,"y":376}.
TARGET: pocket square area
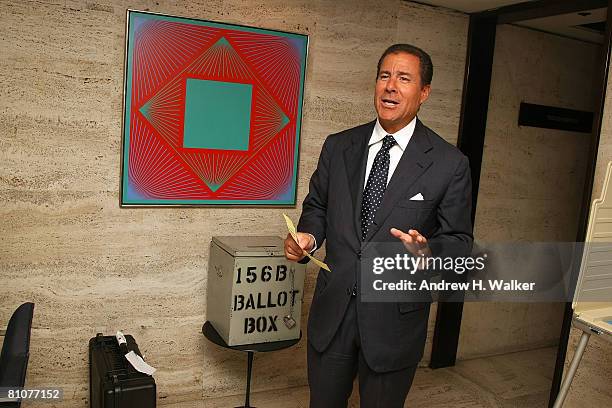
{"x":417,"y":197}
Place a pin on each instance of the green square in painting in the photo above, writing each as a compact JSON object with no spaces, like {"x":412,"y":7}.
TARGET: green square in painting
{"x":217,"y":115}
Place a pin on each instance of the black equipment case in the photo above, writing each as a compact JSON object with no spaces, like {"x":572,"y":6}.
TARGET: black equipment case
{"x":113,"y":382}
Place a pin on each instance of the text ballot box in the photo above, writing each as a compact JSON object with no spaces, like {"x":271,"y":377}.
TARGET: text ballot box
{"x":254,"y":295}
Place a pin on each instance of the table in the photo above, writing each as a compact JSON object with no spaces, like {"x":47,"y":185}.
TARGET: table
{"x":213,"y":336}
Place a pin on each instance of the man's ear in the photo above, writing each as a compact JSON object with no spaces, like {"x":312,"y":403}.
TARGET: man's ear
{"x":425,"y":93}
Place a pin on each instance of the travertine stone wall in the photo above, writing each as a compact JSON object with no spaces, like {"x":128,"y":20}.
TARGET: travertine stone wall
{"x":532,"y":179}
{"x":92,"y":267}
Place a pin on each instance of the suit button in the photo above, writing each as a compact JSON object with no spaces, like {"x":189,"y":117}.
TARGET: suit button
{"x":359,"y":254}
{"x":349,"y":291}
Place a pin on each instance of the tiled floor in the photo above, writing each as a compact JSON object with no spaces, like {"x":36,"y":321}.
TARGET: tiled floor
{"x":518,"y":380}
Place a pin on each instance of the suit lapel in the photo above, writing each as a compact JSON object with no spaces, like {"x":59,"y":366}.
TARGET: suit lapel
{"x":355,"y":160}
{"x":412,"y":165}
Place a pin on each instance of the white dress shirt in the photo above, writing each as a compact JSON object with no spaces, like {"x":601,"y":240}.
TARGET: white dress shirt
{"x":402,"y":137}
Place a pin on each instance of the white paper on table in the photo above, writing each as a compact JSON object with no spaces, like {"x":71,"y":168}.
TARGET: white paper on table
{"x":139,"y":364}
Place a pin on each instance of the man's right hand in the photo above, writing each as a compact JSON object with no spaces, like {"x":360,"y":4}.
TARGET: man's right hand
{"x":294,"y":251}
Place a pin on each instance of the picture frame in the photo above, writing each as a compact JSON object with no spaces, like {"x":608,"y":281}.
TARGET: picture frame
{"x":211,"y":113}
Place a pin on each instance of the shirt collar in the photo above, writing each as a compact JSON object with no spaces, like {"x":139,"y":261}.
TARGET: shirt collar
{"x":402,"y":136}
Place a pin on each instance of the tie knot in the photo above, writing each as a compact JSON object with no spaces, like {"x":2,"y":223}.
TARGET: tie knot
{"x":388,"y":142}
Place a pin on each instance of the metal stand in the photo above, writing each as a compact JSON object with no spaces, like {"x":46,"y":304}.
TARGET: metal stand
{"x":567,"y":381}
{"x":247,"y":402}
{"x":212,"y":335}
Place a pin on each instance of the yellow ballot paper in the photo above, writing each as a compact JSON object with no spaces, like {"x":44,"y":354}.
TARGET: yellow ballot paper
{"x":293,"y":233}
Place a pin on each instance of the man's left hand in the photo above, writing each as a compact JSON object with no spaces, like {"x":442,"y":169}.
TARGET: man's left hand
{"x":414,"y":242}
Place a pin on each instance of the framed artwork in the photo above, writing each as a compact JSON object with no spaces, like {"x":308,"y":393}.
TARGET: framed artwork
{"x":212,"y":113}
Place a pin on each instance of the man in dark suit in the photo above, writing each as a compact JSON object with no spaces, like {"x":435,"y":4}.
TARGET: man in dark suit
{"x":389,"y":179}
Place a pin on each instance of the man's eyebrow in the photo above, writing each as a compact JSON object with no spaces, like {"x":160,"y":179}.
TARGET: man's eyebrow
{"x":384,"y":71}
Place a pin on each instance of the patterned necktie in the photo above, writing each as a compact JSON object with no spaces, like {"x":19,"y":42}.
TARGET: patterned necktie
{"x":376,"y":185}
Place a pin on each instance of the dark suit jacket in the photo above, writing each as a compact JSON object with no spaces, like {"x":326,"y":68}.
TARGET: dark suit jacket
{"x":392,"y":334}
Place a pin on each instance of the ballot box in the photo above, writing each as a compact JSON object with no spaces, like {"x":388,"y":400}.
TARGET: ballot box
{"x":592,"y":303}
{"x":253,"y":294}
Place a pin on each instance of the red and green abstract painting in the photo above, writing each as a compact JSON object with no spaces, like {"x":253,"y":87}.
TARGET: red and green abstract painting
{"x":212,"y":113}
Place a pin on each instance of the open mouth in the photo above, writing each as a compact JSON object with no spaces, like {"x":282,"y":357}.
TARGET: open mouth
{"x":389,"y":103}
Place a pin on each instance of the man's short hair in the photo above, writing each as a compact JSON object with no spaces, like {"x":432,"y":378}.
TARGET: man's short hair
{"x":424,"y":60}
